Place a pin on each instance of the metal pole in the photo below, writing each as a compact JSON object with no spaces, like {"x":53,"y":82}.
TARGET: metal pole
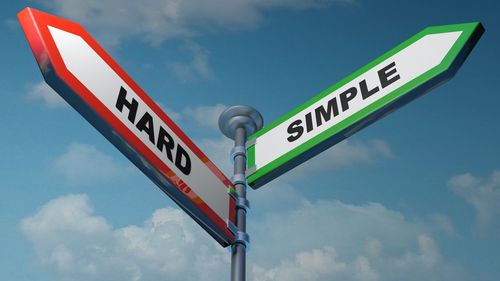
{"x":238,"y":255}
{"x":237,"y":122}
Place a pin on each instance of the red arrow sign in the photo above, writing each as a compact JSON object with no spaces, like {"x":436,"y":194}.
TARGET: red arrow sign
{"x":77,"y":68}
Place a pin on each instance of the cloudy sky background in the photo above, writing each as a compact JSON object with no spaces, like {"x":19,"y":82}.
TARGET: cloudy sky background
{"x":413,"y":197}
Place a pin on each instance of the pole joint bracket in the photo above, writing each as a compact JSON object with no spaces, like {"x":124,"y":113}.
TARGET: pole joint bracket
{"x":242,"y":238}
{"x":239,"y":179}
{"x":242,"y":203}
{"x":238,"y":151}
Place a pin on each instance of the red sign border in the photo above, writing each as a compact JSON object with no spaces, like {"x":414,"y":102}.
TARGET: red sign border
{"x":35,"y":25}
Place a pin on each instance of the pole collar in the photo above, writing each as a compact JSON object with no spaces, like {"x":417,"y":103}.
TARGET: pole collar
{"x":239,"y":179}
{"x":242,"y":203}
{"x":238,"y":151}
{"x":242,"y":238}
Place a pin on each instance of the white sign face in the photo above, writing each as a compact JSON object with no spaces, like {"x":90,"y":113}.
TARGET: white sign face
{"x":86,"y":76}
{"x":85,"y":64}
{"x":397,"y":77}
{"x":401,"y":68}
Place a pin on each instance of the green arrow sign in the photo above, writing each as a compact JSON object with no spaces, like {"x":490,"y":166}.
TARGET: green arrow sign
{"x":382,"y":86}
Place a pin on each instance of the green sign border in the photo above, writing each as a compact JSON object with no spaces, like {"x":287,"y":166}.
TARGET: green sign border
{"x":467,"y":29}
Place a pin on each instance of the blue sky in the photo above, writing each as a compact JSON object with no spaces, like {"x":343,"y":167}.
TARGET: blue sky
{"x":414,"y":196}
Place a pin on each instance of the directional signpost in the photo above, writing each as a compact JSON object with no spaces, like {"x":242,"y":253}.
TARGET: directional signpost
{"x":77,"y":68}
{"x":382,"y":86}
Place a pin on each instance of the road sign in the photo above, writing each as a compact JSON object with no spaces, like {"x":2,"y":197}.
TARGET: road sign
{"x":382,"y":86}
{"x":77,"y":68}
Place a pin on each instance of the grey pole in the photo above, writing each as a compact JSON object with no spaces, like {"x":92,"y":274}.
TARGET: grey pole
{"x":237,"y":122}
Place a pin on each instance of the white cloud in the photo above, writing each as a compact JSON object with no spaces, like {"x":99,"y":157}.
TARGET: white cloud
{"x":157,"y":20}
{"x":316,"y":241}
{"x":444,"y":223}
{"x":206,"y":116}
{"x":344,"y":154}
{"x":483,"y":195}
{"x":373,"y":247}
{"x":346,"y":227}
{"x":77,"y":245}
{"x":83,"y":164}
{"x":44,"y":93}
{"x":197,"y":68}
{"x":358,"y":242}
{"x":317,"y":264}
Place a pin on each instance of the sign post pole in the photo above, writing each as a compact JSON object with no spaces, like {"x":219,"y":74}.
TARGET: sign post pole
{"x":238,"y":122}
